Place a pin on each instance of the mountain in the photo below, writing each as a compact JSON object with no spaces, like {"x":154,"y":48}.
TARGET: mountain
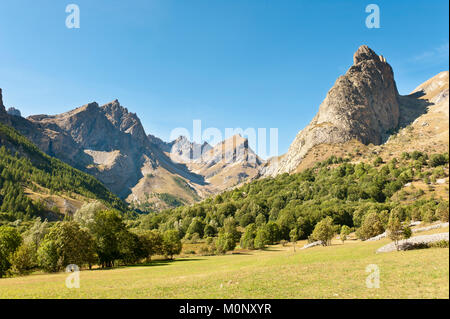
{"x":110,"y":143}
{"x":35,"y":184}
{"x":362,"y":108}
{"x":181,"y":150}
{"x":228,"y":164}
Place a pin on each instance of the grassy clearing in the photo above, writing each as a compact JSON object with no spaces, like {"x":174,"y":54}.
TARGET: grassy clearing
{"x":279,"y":272}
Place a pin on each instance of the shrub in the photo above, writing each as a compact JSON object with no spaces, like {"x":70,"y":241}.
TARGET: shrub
{"x":439,"y":244}
{"x":438,"y":159}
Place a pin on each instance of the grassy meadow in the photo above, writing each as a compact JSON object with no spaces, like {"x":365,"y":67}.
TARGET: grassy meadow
{"x":337,"y":271}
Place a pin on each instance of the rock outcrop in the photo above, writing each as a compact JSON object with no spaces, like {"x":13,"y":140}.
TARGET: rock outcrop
{"x":182,"y":150}
{"x":2,"y":107}
{"x":362,"y":105}
{"x":13,"y":111}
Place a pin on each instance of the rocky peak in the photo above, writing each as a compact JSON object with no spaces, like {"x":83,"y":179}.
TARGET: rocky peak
{"x":183,"y":150}
{"x":234,"y":149}
{"x":13,"y":111}
{"x":125,"y":121}
{"x":362,"y":105}
{"x":364,"y":53}
{"x":2,"y":107}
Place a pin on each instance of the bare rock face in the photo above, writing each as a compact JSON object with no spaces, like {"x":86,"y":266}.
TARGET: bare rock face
{"x":184,"y":151}
{"x":2,"y":107}
{"x":110,"y":142}
{"x":13,"y":111}
{"x":362,"y":105}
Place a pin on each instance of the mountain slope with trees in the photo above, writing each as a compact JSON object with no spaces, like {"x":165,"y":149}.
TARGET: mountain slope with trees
{"x":23,"y":165}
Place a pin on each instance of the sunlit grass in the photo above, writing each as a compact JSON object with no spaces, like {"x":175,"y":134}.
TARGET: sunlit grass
{"x":279,"y":272}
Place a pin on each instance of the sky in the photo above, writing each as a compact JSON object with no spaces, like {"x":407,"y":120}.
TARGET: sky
{"x":229,"y":63}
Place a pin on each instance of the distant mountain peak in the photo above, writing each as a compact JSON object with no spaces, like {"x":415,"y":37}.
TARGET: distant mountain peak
{"x":2,"y":107}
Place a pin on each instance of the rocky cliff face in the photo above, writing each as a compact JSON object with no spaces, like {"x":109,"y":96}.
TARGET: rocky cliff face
{"x":363,"y":104}
{"x":227,"y":164}
{"x":2,"y":107}
{"x":110,"y":143}
{"x":184,"y":151}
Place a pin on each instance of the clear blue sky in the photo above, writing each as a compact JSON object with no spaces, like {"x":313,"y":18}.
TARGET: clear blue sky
{"x":230,"y":63}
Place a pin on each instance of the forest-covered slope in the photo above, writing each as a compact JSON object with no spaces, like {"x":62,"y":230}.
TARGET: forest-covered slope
{"x":24,"y":166}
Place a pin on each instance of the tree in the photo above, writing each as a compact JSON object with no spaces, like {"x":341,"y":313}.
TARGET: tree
{"x":196,"y":226}
{"x":371,"y":226}
{"x":394,"y":228}
{"x":262,"y":238}
{"x":438,"y":159}
{"x":324,"y":231}
{"x":274,"y":232}
{"x":377,"y":161}
{"x":85,"y":216}
{"x":293,"y":235}
{"x":230,"y":227}
{"x":151,"y":242}
{"x":345,"y":231}
{"x":225,"y":242}
{"x":171,"y":243}
{"x":105,"y":229}
{"x":407,"y":232}
{"x":130,"y":249}
{"x":442,"y":211}
{"x":37,"y":232}
{"x":10,"y":240}
{"x":47,"y":256}
{"x":260,"y":220}
{"x":248,"y":238}
{"x":73,"y":244}
{"x":209,"y":231}
{"x":24,"y":258}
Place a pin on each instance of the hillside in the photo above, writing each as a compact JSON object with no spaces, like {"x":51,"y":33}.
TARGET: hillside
{"x":35,"y":184}
{"x":347,"y":192}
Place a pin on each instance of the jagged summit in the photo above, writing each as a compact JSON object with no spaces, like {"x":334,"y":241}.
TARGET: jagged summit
{"x":362,"y":105}
{"x":364,"y":53}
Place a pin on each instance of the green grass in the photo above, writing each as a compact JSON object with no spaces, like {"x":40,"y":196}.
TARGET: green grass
{"x":279,"y":272}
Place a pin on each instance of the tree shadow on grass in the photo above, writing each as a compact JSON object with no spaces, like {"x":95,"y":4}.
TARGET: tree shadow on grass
{"x":163,"y":262}
{"x":153,"y":263}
